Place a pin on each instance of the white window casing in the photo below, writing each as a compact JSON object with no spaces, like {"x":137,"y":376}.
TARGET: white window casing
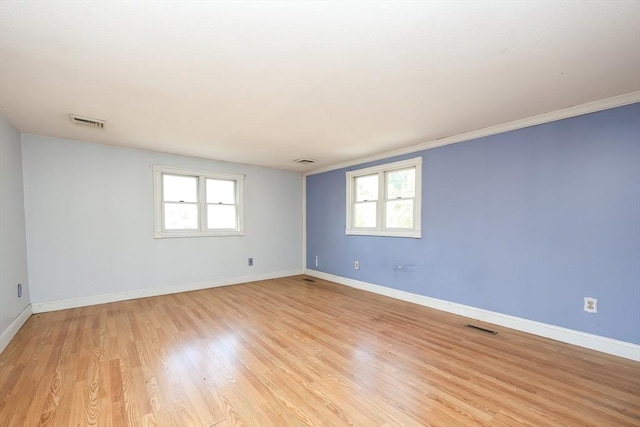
{"x":365,"y":202}
{"x":201,"y":203}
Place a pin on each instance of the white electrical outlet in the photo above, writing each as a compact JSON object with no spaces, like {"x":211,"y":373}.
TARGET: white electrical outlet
{"x":316,"y":260}
{"x":356,"y":265}
{"x":590,"y":304}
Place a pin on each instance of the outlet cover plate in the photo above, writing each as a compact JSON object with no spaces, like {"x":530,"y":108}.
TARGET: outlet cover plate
{"x":590,"y":304}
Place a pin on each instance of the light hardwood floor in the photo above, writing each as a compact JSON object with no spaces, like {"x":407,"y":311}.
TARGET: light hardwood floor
{"x":288,"y":352}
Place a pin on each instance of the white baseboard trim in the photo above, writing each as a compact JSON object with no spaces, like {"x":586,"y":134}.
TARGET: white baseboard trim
{"x":14,"y":327}
{"x":569,"y":336}
{"x":43,"y":307}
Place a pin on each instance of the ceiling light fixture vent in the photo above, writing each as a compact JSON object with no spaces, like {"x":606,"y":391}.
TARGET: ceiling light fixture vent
{"x":86,"y":121}
{"x":304,"y":161}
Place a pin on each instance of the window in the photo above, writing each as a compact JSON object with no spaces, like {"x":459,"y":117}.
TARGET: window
{"x":195,"y":203}
{"x":385,"y":200}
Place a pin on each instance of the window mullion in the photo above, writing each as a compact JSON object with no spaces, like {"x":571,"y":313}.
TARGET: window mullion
{"x":236,"y":202}
{"x":353,"y":203}
{"x":382,"y":196}
{"x":202,"y":203}
{"x":162,"y":203}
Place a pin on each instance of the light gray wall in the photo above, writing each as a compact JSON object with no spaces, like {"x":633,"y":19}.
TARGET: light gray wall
{"x":13,"y":248}
{"x":89,"y":212}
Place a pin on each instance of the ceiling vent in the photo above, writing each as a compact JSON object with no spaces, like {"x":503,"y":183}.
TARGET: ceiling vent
{"x":304,"y":161}
{"x":86,"y":121}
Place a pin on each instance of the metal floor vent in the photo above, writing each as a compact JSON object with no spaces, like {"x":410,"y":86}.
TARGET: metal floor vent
{"x":478,"y":328}
{"x":309,"y":280}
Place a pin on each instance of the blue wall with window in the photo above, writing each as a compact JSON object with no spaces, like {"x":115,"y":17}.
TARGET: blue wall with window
{"x":524,"y":223}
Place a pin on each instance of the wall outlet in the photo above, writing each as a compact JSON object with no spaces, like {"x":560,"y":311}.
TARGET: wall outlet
{"x":316,"y":260}
{"x":590,"y":305}
{"x":19,"y":290}
{"x":250,"y":262}
{"x":356,"y":265}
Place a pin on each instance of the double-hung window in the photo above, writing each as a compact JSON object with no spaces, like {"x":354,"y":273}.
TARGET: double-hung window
{"x":196,"y":203}
{"x":385,"y":200}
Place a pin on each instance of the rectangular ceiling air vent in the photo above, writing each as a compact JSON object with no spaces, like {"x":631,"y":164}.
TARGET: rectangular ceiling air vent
{"x":86,"y":121}
{"x":304,"y":161}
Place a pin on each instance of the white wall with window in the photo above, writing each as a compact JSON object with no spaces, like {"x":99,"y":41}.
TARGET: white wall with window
{"x":385,"y":200}
{"x":92,"y":220}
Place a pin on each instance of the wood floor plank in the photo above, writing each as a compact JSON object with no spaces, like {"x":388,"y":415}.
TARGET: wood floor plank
{"x":291,"y":352}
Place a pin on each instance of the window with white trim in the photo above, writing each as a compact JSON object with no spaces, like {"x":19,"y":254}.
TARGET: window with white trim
{"x":385,"y":200}
{"x":192,"y":203}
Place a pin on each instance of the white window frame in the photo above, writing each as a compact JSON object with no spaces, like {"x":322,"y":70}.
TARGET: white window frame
{"x":202,"y":176}
{"x":380,"y":229}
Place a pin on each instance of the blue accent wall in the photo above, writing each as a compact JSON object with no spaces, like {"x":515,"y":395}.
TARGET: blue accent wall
{"x":525,"y":223}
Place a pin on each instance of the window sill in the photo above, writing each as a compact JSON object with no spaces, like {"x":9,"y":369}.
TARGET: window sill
{"x":414,"y":234}
{"x":170,"y":235}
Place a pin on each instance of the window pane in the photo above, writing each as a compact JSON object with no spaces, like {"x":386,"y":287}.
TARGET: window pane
{"x":364,"y":214}
{"x":221,"y":216}
{"x":221,"y":191}
{"x":179,"y":188}
{"x":400,"y":214}
{"x":367,"y":188}
{"x":401,"y":183}
{"x":180,"y":216}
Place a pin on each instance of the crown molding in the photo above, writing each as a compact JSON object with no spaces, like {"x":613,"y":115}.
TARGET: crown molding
{"x":565,"y":113}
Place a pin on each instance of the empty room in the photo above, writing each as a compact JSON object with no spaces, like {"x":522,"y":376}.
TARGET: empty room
{"x":320,"y":213}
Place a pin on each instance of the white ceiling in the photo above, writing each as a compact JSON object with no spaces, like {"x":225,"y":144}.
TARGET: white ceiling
{"x":268,"y":82}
